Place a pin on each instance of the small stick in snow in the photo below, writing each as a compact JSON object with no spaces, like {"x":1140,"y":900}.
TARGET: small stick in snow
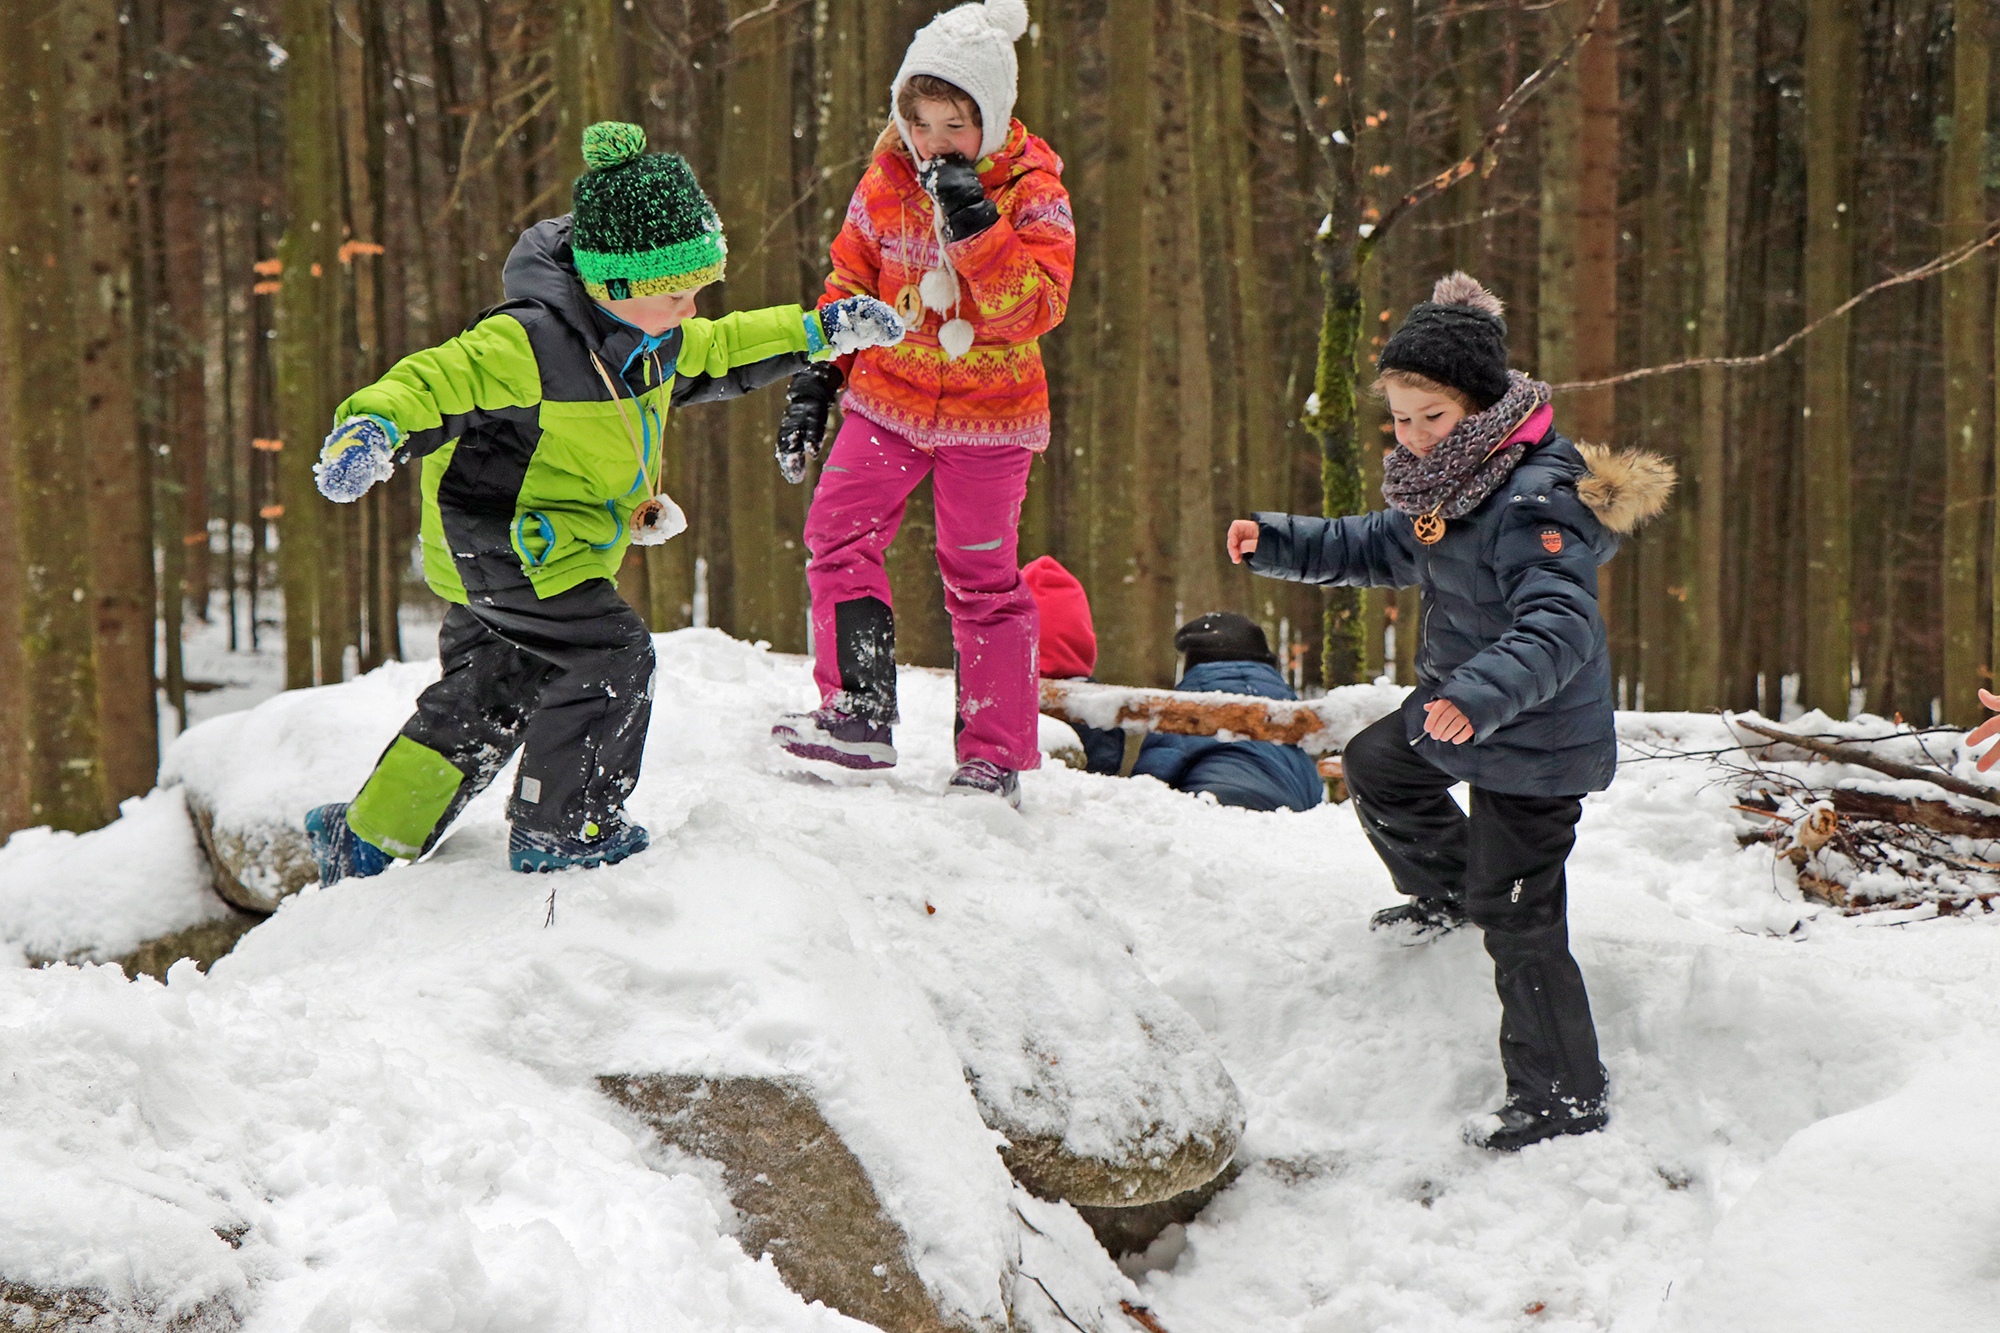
{"x":1143,"y":1317}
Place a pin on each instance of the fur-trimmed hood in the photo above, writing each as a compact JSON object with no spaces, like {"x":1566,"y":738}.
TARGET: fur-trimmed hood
{"x":1624,"y":487}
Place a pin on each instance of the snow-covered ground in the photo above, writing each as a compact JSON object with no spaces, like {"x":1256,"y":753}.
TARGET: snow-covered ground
{"x":378,"y":1112}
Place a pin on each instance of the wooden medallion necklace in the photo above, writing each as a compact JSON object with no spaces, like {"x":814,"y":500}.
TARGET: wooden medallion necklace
{"x":1430,"y":527}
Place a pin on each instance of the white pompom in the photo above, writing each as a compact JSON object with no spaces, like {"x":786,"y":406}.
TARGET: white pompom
{"x":1009,"y":16}
{"x":956,"y":338}
{"x":939,"y":288}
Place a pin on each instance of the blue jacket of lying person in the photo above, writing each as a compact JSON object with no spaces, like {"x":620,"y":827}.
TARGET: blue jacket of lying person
{"x":1226,"y":654}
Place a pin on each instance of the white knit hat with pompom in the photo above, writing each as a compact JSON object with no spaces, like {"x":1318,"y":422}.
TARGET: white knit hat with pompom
{"x":971,"y":47}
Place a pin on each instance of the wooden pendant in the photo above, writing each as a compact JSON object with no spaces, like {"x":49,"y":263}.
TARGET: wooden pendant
{"x":1430,"y":528}
{"x":910,"y":306}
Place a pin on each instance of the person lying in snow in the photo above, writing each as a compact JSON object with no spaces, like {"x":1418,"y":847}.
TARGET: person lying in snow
{"x":1503,"y":523}
{"x":539,"y":429}
{"x":963,"y":222}
{"x":1222,"y":653}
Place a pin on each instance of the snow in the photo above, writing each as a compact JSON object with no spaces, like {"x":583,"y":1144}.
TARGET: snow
{"x":143,"y":875}
{"x":378,"y":1113}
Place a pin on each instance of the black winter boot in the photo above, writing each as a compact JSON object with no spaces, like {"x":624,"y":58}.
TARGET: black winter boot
{"x":1419,"y":921}
{"x":1515,"y":1126}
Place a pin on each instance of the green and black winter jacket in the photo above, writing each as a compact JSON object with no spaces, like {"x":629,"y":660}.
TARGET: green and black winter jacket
{"x":529,"y":471}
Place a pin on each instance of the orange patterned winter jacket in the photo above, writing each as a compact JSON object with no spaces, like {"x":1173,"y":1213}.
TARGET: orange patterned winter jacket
{"x":1013,"y":287}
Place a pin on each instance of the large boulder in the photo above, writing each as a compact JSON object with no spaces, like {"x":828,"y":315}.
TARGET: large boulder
{"x":1108,"y":1092}
{"x":804,"y":1199}
{"x":250,"y":777}
{"x":257,"y":862}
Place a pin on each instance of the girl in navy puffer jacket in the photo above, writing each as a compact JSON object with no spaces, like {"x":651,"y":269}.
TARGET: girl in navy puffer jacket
{"x":1502,"y":522}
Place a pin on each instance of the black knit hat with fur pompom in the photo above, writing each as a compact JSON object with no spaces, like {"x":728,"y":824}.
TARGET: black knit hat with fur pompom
{"x":1458,"y":337}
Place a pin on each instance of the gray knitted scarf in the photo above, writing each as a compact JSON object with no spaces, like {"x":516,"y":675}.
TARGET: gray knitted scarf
{"x":1468,"y":464}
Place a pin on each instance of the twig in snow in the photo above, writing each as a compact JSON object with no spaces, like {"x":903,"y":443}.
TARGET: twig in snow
{"x":1143,"y":1317}
{"x":552,"y":908}
{"x":1052,"y":1300}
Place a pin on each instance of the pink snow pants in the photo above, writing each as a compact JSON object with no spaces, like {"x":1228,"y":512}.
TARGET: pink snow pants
{"x":856,"y":509}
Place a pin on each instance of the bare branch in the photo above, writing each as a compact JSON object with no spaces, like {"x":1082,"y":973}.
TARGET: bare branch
{"x":1848,"y":754}
{"x":1949,"y":260}
{"x":1280,"y":28}
{"x":1502,"y":118}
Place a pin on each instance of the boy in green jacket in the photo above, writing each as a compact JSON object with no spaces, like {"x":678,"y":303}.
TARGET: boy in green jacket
{"x":540,"y":430}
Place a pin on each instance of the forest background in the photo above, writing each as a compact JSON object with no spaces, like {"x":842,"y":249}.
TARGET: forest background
{"x":217,"y":219}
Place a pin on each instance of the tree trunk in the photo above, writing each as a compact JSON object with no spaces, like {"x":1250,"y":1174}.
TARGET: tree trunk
{"x":757,"y":186}
{"x":1711,"y":492}
{"x":1594,"y":296}
{"x":1341,"y":253}
{"x":1117,"y":510}
{"x":1832,"y":68}
{"x":64,"y":765}
{"x":119,"y":508}
{"x":1967,"y":363}
{"x":308,"y":326}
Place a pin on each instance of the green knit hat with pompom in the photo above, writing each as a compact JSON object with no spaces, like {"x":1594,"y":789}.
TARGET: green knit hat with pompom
{"x":641,"y":225}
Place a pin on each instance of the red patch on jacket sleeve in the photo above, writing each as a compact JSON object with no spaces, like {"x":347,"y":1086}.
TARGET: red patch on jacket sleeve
{"x":1552,"y":540}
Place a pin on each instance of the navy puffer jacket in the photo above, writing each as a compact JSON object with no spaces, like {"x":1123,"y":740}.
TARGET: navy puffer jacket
{"x":1510,"y":630}
{"x":1253,"y":775}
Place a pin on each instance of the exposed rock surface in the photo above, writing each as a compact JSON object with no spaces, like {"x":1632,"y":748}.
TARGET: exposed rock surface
{"x":803,"y":1197}
{"x":204,"y":943}
{"x":1123,"y":1231}
{"x":256,"y":864}
{"x":30,"y":1309}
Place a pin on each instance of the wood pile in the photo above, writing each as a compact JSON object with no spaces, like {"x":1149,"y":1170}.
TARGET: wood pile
{"x":1860,"y":849}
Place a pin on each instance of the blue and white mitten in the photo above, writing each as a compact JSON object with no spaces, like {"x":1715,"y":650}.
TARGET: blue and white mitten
{"x":850,"y":324}
{"x":355,"y":457}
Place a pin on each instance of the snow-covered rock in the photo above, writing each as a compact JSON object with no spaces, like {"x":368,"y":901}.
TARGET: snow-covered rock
{"x":802,"y":1199}
{"x":249,"y":777}
{"x":1107,"y":1092}
{"x":382,"y":1110}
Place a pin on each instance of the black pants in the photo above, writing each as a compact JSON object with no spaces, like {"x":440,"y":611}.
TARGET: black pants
{"x":1504,"y":867}
{"x":567,"y":680}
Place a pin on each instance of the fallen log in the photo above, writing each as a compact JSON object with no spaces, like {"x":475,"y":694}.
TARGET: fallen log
{"x":1848,"y":754}
{"x":1937,"y":816}
{"x":1243,"y":717}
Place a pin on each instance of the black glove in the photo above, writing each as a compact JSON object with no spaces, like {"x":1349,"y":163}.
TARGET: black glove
{"x":803,"y":428}
{"x":951,"y":181}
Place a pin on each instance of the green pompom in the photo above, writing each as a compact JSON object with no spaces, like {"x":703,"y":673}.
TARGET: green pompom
{"x":612,"y":143}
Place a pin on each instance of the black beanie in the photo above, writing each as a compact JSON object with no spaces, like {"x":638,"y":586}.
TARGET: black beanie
{"x":1458,"y":337}
{"x":1223,"y":636}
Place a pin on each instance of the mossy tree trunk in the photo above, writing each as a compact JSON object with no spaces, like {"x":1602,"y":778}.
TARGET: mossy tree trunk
{"x":101,"y":203}
{"x":63,"y":760}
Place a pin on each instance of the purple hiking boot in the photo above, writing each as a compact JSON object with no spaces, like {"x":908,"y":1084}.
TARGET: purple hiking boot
{"x":983,"y":777}
{"x":836,"y":737}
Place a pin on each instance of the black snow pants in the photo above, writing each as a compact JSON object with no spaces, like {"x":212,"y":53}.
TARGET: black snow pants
{"x":566,"y":680}
{"x":1504,"y":867}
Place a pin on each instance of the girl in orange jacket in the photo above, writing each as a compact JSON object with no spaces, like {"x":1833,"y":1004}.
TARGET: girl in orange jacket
{"x":961,"y":222}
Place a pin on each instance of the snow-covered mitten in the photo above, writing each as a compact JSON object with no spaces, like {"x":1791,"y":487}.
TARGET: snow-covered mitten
{"x":355,"y":457}
{"x":803,"y":427}
{"x":850,"y":324}
{"x":953,"y":183}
